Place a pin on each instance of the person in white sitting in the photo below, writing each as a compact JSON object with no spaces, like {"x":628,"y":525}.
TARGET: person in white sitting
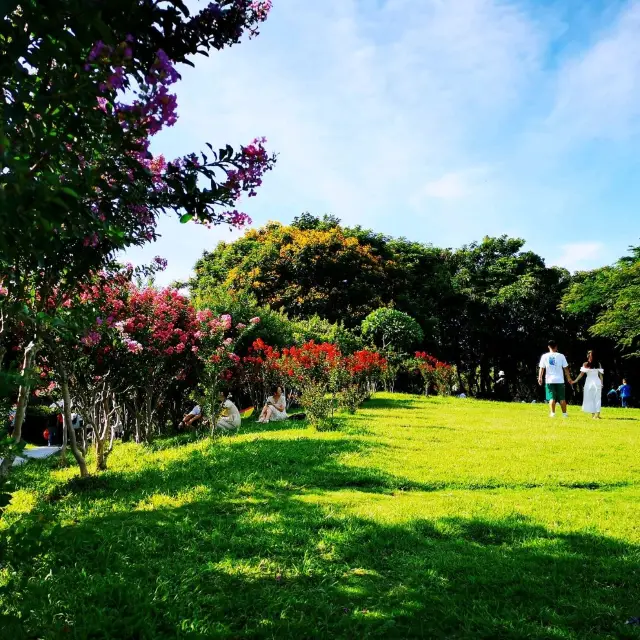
{"x":230,"y":418}
{"x":276,"y":407}
{"x":193,"y":416}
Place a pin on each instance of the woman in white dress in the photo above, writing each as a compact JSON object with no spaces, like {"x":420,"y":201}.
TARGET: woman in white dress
{"x":229,"y":418}
{"x":276,"y":407}
{"x":592,"y":396}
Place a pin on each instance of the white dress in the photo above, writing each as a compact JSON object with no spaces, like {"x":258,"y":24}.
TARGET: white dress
{"x":592,"y":397}
{"x":230,"y":418}
{"x":275,"y":414}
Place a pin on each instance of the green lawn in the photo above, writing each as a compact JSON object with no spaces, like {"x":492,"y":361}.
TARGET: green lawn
{"x":420,"y":518}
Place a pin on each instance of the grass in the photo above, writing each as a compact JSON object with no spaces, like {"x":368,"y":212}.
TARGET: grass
{"x":420,"y":518}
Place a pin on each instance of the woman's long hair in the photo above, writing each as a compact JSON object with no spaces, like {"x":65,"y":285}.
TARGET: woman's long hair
{"x":591,"y":361}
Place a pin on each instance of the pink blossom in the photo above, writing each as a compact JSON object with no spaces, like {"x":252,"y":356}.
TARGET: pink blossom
{"x":180,"y":347}
{"x":194,"y":349}
{"x":4,"y":291}
{"x":169,"y":351}
{"x":234,"y":357}
{"x":240,"y":326}
{"x":133,"y":346}
{"x":203,"y":315}
{"x":255,"y":320}
{"x":228,"y":341}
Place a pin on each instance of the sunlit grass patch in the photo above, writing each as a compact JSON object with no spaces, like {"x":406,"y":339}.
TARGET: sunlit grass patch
{"x":420,"y":518}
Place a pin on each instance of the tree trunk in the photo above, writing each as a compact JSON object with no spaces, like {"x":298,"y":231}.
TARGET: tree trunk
{"x":65,"y":439}
{"x":101,"y":456}
{"x":67,"y":420}
{"x":23,"y":400}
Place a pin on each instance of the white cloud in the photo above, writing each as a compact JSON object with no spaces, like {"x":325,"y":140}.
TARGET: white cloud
{"x":580,"y":256}
{"x":436,"y":119}
{"x":456,"y":185}
{"x":597,"y":91}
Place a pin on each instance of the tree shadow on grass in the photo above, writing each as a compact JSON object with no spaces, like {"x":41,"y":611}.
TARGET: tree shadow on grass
{"x":394,"y":403}
{"x":253,"y":426}
{"x":252,"y":554}
{"x":281,"y":567}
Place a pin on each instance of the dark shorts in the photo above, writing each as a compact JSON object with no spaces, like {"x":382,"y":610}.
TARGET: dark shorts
{"x":555,"y":391}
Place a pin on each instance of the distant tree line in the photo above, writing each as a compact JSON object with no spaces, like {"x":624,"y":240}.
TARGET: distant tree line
{"x":485,"y":307}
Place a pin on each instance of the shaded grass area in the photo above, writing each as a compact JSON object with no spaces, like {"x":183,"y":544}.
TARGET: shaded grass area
{"x":421,"y":518}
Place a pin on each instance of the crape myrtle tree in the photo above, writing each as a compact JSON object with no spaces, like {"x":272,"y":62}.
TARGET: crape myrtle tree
{"x":85,"y":86}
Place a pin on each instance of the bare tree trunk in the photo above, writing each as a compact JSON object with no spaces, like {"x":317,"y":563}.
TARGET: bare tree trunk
{"x":23,"y":400}
{"x":67,"y":419}
{"x":65,"y":439}
{"x":101,"y":433}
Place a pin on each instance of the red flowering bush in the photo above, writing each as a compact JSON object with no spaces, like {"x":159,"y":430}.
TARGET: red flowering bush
{"x":434,"y":373}
{"x":261,"y":369}
{"x":320,"y":373}
{"x":363,"y":370}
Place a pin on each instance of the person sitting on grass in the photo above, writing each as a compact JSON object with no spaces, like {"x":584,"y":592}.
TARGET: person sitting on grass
{"x":190,"y":418}
{"x":230,"y":418}
{"x":276,"y":407}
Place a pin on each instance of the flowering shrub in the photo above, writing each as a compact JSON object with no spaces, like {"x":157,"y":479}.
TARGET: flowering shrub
{"x":75,"y":163}
{"x":434,"y":373}
{"x":366,"y":368}
{"x":217,"y":337}
{"x":323,"y":377}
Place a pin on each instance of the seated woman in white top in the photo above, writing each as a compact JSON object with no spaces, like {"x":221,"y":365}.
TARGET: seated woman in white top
{"x":229,"y":419}
{"x":276,"y":407}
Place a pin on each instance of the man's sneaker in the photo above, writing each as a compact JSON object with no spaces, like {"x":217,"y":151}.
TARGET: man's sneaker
{"x":565,"y":415}
{"x":552,"y":415}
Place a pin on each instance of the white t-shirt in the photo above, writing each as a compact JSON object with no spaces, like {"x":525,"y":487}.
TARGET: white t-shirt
{"x":195,"y":411}
{"x":553,"y":364}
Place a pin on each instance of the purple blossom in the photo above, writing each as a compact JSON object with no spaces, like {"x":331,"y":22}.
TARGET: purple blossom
{"x":115,"y":81}
{"x":91,"y":241}
{"x":162,"y":70}
{"x":237,"y":219}
{"x":161,"y":262}
{"x":99,"y":50}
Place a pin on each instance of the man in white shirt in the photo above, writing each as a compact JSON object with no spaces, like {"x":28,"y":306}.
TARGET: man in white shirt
{"x":555,"y":368}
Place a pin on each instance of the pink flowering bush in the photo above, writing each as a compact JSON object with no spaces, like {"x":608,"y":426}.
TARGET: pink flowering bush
{"x":78,"y":182}
{"x":218,"y":339}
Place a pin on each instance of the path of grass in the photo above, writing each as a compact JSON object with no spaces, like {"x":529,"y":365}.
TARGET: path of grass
{"x":420,"y":519}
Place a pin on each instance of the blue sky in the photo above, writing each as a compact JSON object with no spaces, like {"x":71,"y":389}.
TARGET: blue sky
{"x":439,"y":120}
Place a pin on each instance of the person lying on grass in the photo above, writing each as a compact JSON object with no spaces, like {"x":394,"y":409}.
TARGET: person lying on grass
{"x":276,"y":407}
{"x":230,"y":418}
{"x":190,"y":418}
